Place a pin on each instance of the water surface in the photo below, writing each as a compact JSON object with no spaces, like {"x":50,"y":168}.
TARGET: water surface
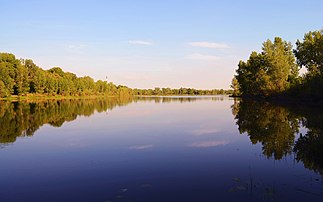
{"x":159,"y":149}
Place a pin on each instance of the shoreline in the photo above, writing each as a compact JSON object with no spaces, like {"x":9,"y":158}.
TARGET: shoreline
{"x":285,"y":100}
{"x":47,"y":97}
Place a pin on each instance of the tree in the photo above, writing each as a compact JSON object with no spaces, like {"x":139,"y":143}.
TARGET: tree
{"x":309,"y":53}
{"x":21,"y":80}
{"x":38,"y":84}
{"x":281,"y":64}
{"x":270,"y":72}
{"x":157,"y":91}
{"x":235,"y":86}
{"x":251,"y":75}
{"x":8,"y":64}
{"x":3,"y":90}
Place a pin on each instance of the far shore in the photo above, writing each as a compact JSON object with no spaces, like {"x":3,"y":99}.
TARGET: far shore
{"x":60,"y":97}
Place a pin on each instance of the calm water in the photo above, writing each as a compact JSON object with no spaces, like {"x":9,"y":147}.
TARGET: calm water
{"x":159,"y":149}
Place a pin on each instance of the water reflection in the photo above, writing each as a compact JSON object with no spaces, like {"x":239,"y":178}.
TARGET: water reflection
{"x":20,"y":119}
{"x":182,"y":99}
{"x":309,"y":147}
{"x":277,"y":128}
{"x":159,"y":149}
{"x":24,"y":118}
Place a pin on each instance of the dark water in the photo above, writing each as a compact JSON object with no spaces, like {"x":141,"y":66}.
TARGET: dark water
{"x":159,"y":149}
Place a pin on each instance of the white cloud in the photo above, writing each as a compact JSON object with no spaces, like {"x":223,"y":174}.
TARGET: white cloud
{"x":199,"y":56}
{"x":205,"y":44}
{"x":139,"y":42}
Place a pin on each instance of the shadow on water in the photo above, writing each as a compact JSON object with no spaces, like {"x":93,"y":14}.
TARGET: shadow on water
{"x":277,"y":128}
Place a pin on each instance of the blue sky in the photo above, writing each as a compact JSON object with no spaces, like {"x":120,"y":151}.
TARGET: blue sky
{"x":146,"y":44}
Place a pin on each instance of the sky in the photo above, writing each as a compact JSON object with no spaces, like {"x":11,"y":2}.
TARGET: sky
{"x":147,"y":44}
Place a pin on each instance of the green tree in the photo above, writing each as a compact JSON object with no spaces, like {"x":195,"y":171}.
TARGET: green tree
{"x":21,"y":80}
{"x":252,"y":76}
{"x":38,"y":83}
{"x":281,"y":64}
{"x":309,"y":52}
{"x":235,"y":86}
{"x":157,"y":91}
{"x":8,"y":65}
{"x":270,"y":72}
{"x":3,"y":90}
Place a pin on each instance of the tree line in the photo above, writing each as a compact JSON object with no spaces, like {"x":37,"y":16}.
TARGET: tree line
{"x":22,"y":77}
{"x":179,"y":91}
{"x":275,"y":70}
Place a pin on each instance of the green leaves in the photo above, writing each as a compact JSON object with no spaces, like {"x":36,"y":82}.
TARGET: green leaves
{"x":309,"y":53}
{"x":21,"y":77}
{"x":269,"y":72}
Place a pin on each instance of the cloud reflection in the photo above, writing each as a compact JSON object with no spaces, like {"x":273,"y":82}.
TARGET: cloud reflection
{"x":208,"y":144}
{"x":204,"y":131}
{"x":141,"y":147}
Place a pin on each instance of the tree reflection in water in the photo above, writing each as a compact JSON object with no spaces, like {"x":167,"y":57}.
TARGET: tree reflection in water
{"x":277,"y":129}
{"x":20,"y":119}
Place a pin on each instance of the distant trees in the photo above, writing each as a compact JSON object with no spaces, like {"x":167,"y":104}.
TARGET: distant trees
{"x":24,"y":77}
{"x":180,"y":91}
{"x":275,"y":71}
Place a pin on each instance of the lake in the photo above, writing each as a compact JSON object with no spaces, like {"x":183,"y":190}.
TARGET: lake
{"x":160,"y":149}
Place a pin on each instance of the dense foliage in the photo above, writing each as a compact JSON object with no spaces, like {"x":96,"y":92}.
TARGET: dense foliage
{"x":23,"y":77}
{"x":309,"y":54}
{"x":274,"y":71}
